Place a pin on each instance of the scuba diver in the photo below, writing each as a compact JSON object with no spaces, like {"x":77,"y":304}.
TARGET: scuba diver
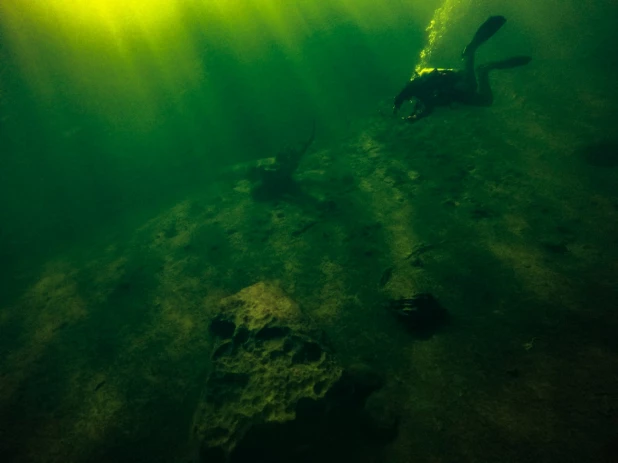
{"x":433,"y":87}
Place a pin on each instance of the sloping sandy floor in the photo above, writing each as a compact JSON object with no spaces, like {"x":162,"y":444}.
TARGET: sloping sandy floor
{"x":508,"y":215}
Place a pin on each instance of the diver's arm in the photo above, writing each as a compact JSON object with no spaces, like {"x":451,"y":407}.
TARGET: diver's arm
{"x":407,"y":93}
{"x":420,"y":110}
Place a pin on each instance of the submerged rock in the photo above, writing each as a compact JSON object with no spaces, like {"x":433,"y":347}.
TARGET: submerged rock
{"x":422,"y":314}
{"x":277,"y":394}
{"x":276,"y":179}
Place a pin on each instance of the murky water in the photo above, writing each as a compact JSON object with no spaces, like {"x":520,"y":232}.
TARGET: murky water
{"x":159,"y":157}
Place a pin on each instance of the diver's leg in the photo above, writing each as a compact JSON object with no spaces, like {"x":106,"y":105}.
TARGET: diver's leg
{"x":484,"y":32}
{"x":484,"y":96}
{"x":469,"y":74}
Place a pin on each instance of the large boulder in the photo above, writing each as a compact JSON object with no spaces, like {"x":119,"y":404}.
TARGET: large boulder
{"x":276,"y":393}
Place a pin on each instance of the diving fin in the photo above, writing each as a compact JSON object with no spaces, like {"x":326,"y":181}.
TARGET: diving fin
{"x":484,"y":33}
{"x":508,"y":63}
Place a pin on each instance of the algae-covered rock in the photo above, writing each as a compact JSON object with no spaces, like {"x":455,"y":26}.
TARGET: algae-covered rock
{"x":276,"y":393}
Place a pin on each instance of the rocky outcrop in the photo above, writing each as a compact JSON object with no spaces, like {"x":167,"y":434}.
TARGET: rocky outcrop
{"x":276,"y":180}
{"x":276,"y":393}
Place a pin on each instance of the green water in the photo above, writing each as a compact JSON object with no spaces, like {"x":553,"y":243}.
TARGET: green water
{"x":127,"y":214}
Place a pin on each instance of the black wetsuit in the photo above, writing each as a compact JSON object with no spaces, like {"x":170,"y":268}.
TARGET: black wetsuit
{"x":469,"y":85}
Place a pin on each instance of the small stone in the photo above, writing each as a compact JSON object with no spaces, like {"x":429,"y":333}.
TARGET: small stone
{"x":422,"y":314}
